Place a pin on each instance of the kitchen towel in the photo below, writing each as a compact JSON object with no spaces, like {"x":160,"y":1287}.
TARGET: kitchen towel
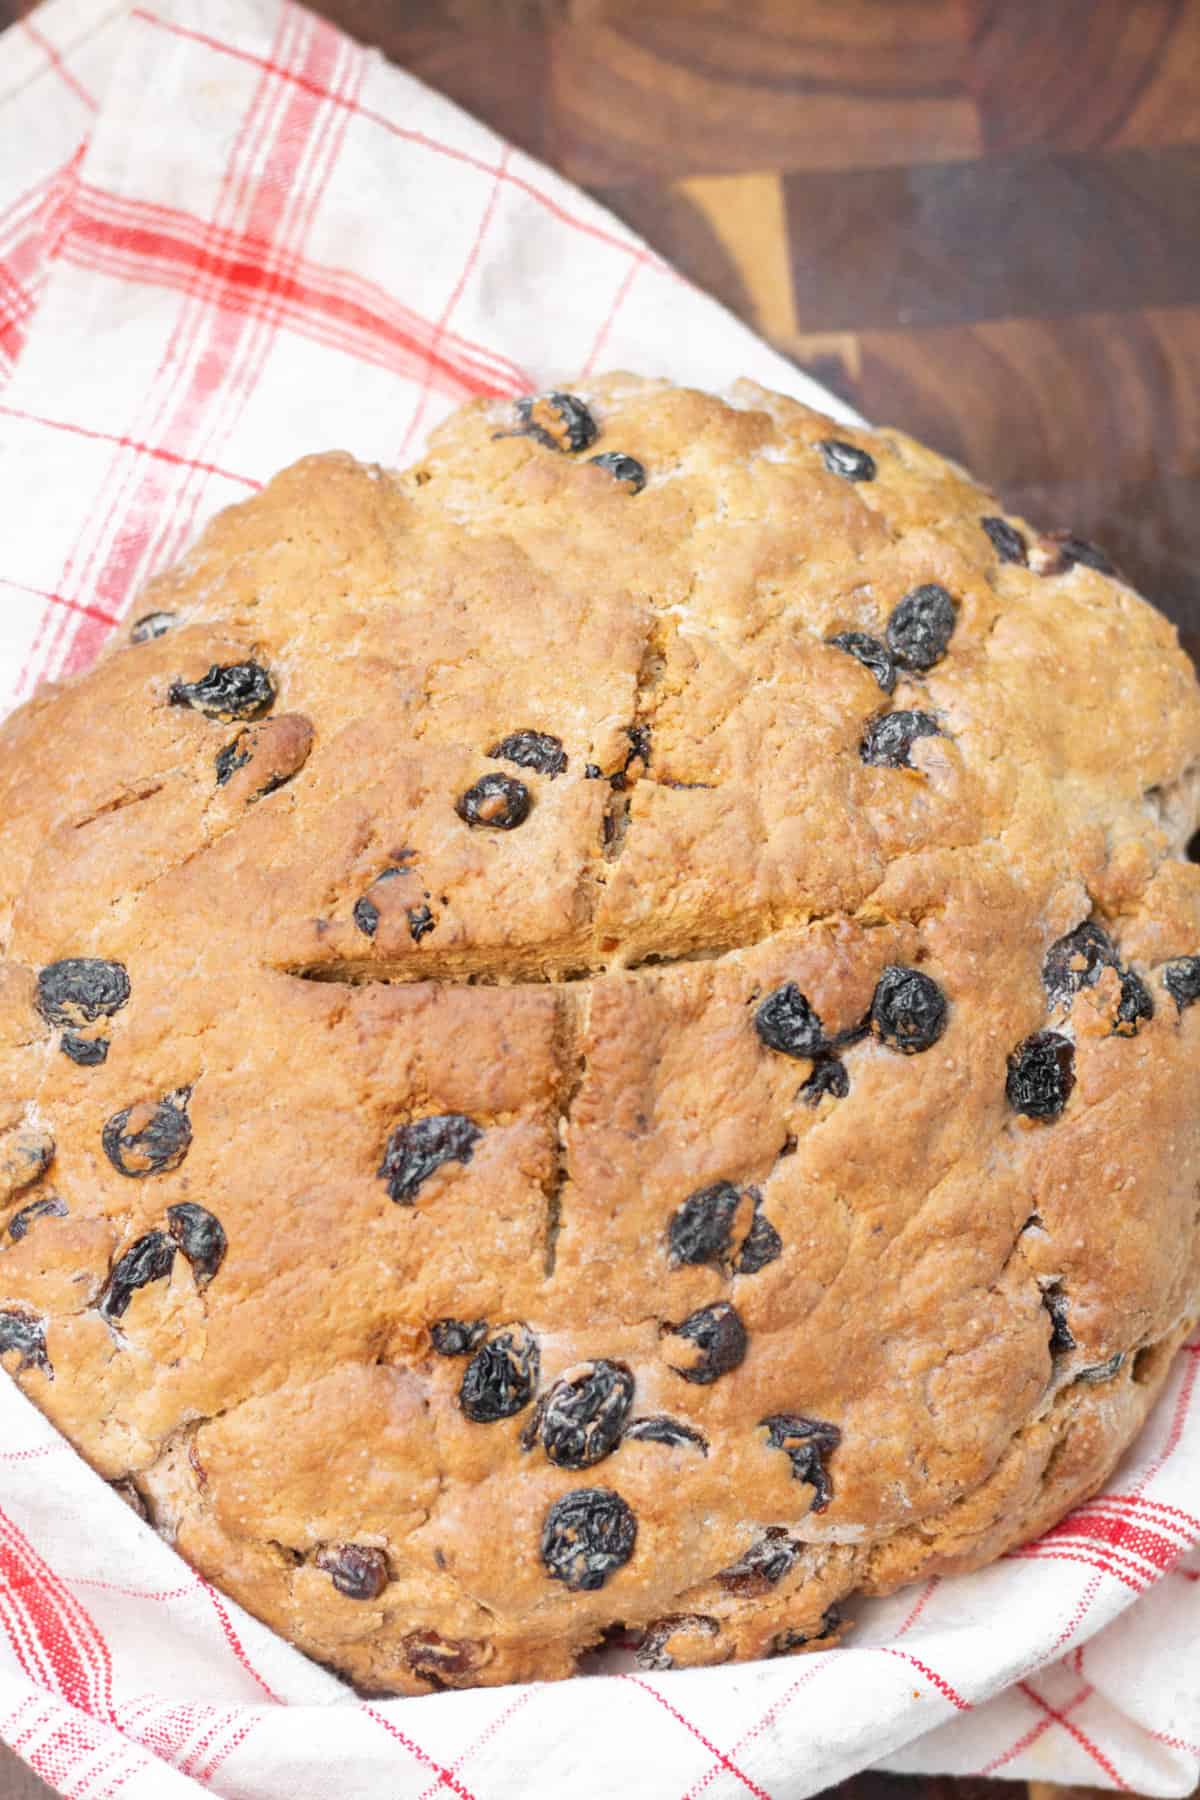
{"x":229,"y":235}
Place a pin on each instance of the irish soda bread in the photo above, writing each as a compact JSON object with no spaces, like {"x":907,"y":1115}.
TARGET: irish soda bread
{"x":598,"y":1037}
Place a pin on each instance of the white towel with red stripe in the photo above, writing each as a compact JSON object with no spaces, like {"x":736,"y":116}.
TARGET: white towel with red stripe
{"x":228,"y":235}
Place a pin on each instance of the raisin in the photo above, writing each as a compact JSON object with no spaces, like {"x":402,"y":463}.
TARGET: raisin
{"x":495,"y":800}
{"x":1102,"y":1371}
{"x":1076,"y":962}
{"x":806,"y":1442}
{"x":830,"y":1077}
{"x":763,"y":1566}
{"x":81,"y":989}
{"x":440,"y":1659}
{"x":870,"y":653}
{"x":658,"y":1429}
{"x":537,"y":750}
{"x":420,"y":922}
{"x":889,"y":738}
{"x":1041,"y":1074}
{"x":786,"y":1022}
{"x":366,"y":916}
{"x":920,"y":628}
{"x":1067,"y":550}
{"x":761,"y":1244}
{"x":653,"y":1652}
{"x":24,"y":1155}
{"x":241,"y":690}
{"x":626,"y":470}
{"x":846,"y":460}
{"x":1181,"y":979}
{"x":719,"y":1336}
{"x":200,"y":1236}
{"x":908,"y":1010}
{"x":87,"y":1052}
{"x":588,"y":1534}
{"x":150,"y":1138}
{"x":151,"y":625}
{"x":560,"y":421}
{"x":1007,"y":541}
{"x":149,"y":1259}
{"x":414,"y":1151}
{"x":784,"y":1642}
{"x":700,"y":1230}
{"x":585,"y":1414}
{"x":454,"y":1337}
{"x":357,"y":1570}
{"x":1061,"y":1336}
{"x":500,"y":1378}
{"x":592,"y":772}
{"x":22,"y":1331}
{"x":1134,"y":1005}
{"x":234,"y":756}
{"x":637,"y":758}
{"x":52,"y":1207}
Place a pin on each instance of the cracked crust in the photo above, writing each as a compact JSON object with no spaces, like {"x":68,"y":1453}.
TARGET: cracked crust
{"x":583,"y":988}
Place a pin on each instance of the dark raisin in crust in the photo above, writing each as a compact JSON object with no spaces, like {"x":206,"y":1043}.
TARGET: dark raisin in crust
{"x":786,"y":1641}
{"x":807,"y":1442}
{"x":559,"y":421}
{"x":625,"y":469}
{"x":52,"y":1207}
{"x":908,"y":1010}
{"x":761,"y":1244}
{"x":234,"y":756}
{"x":719,"y":1335}
{"x":653,"y":1653}
{"x":659,"y":1429}
{"x":1071,"y":550}
{"x":1061,"y":1336}
{"x":1102,"y":1371}
{"x":587,"y":1536}
{"x":920,"y":628}
{"x":201,"y":1237}
{"x":829,"y":1076}
{"x":81,"y":989}
{"x":454,"y":1337}
{"x":1007,"y":541}
{"x":420,"y":922}
{"x":148,"y":1140}
{"x":700,"y":1230}
{"x":357,"y":1570}
{"x":538,"y":750}
{"x":414,"y":1151}
{"x":366,"y":916}
{"x":1181,"y":979}
{"x":785,"y":1021}
{"x":1076,"y":961}
{"x":501,"y":1377}
{"x":151,"y":625}
{"x":229,"y":691}
{"x":584,"y":1414}
{"x":87,"y":1052}
{"x":889,"y":738}
{"x":1041,"y":1074}
{"x":149,"y":1259}
{"x":847,"y":460}
{"x":440,"y":1659}
{"x":1134,"y":1005}
{"x":763,"y":1566}
{"x":495,"y":800}
{"x":22,"y":1330}
{"x":872,"y":654}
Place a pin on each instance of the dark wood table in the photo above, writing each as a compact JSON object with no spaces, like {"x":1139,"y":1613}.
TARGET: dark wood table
{"x":976,"y":219}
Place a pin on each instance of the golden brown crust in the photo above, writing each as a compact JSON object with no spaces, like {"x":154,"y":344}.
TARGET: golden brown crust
{"x":323,"y":950}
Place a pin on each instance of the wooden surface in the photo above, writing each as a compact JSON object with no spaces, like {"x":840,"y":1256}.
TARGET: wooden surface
{"x":974,"y":218}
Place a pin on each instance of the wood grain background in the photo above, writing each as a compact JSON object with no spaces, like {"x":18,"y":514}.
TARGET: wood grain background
{"x":976,"y":219}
